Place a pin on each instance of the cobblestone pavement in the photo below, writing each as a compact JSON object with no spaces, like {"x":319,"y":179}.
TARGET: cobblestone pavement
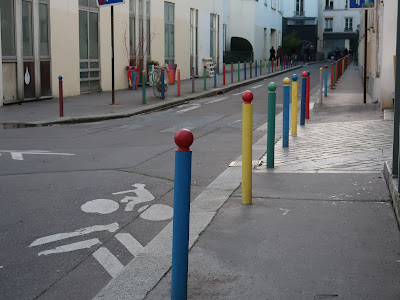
{"x":345,"y":147}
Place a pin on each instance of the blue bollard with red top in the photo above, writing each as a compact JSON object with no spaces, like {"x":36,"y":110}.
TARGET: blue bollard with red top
{"x":303,"y":99}
{"x":180,"y":238}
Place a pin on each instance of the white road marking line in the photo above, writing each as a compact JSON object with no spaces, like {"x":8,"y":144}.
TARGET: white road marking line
{"x":130,"y":243}
{"x":216,"y":100}
{"x":188,"y":109}
{"x":234,"y":122}
{"x":62,"y":236}
{"x":285,"y":211}
{"x":109,"y":262}
{"x":71,"y":247}
{"x":238,"y":94}
{"x":257,"y":86}
{"x":1,"y":267}
{"x":18,"y":154}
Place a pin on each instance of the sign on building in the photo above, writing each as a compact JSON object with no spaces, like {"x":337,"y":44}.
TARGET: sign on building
{"x":101,"y":3}
{"x":361,"y":4}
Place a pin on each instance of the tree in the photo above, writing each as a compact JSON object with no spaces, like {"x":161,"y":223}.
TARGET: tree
{"x":290,"y":42}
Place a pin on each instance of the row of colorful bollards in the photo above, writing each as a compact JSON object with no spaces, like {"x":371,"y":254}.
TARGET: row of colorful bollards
{"x":183,"y":160}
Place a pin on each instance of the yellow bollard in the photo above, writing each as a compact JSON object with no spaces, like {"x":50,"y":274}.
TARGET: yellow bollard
{"x":294,"y":104}
{"x":247,"y":144}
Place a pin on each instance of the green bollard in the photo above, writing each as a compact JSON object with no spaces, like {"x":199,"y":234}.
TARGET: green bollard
{"x":271,"y":124}
{"x":205,"y":77}
{"x":144,"y":86}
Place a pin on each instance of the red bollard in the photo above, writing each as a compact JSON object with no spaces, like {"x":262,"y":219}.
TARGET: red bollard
{"x":61,"y":97}
{"x":308,"y":96}
{"x":272,"y":64}
{"x":179,"y":82}
{"x":332,"y":77}
{"x":223,"y":71}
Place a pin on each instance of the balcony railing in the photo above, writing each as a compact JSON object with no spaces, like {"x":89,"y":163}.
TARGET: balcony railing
{"x":329,"y":7}
{"x":299,"y":13}
{"x":328,"y":29}
{"x":348,"y":29}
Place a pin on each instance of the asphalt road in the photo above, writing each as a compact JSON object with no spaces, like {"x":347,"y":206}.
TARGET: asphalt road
{"x":71,"y":217}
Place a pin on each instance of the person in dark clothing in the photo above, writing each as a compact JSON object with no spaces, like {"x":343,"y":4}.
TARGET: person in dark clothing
{"x":279,"y":53}
{"x":345,"y":52}
{"x":272,"y":53}
{"x":337,"y":53}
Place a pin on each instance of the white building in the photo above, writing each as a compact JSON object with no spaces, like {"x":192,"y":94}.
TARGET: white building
{"x":302,"y":16}
{"x":341,"y":26}
{"x":258,"y":22}
{"x":43,"y":39}
{"x":381,"y":51}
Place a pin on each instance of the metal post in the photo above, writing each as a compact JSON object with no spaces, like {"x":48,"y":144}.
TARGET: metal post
{"x":162,"y":85}
{"x":245,"y":70}
{"x":271,"y":124}
{"x":308,"y":96}
{"x":238,"y":71}
{"x":247,"y":144}
{"x":231,"y":72}
{"x":294,"y":104}
{"x":215,"y":76}
{"x":112,"y":57}
{"x":205,"y":77}
{"x":251,"y":69}
{"x":180,"y":231}
{"x":224,"y":73}
{"x":286,"y":95}
{"x":255,"y":74}
{"x":326,"y":81}
{"x":395,"y":158}
{"x":179,"y":82}
{"x":303,"y":99}
{"x":193,"y":89}
{"x":321,"y":83}
{"x":61,"y":96}
{"x":144,"y":87}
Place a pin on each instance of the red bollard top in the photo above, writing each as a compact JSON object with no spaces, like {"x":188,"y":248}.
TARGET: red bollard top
{"x":326,"y":67}
{"x":162,"y":69}
{"x":183,"y":139}
{"x":143,"y":72}
{"x":247,"y":97}
{"x":304,"y":74}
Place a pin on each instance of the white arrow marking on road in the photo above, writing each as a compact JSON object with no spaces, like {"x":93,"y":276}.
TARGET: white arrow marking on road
{"x":18,"y":154}
{"x":83,"y":231}
{"x":285,"y":211}
{"x":257,"y":86}
{"x":71,"y":247}
{"x":237,"y":94}
{"x":109,"y":262}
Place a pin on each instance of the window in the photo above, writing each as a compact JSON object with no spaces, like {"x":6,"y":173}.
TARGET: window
{"x":348,"y":24}
{"x":7,"y":28}
{"x":299,"y":8}
{"x":132,"y":28}
{"x":328,"y":4}
{"x":43,"y":29}
{"x":169,"y":31}
{"x":89,"y":46}
{"x":27,"y":33}
{"x":328,"y":24}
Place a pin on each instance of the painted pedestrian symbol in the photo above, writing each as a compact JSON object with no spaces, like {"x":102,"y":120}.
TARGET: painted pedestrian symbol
{"x":151,"y":212}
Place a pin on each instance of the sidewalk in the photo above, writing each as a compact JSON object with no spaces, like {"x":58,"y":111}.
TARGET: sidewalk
{"x":97,"y":106}
{"x":321,"y":225}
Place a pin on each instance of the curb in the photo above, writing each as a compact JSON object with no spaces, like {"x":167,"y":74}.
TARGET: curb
{"x":392,"y":184}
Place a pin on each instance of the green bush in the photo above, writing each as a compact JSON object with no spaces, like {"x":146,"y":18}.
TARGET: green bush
{"x":290,"y":42}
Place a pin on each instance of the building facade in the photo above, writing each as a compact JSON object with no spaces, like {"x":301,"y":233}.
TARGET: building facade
{"x":302,"y":16}
{"x":255,"y":26}
{"x":381,"y":24}
{"x":42,"y":40}
{"x":341,"y":26}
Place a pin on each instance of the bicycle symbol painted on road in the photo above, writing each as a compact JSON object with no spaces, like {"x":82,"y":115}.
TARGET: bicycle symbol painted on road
{"x":151,"y":212}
